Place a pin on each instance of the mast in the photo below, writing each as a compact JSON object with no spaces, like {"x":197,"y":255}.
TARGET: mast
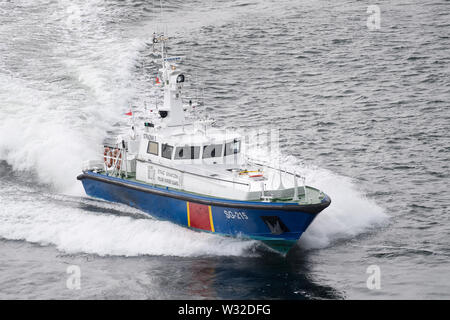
{"x":172,"y":80}
{"x":172,"y":111}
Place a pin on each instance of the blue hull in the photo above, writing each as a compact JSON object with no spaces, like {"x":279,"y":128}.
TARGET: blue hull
{"x":278,"y":225}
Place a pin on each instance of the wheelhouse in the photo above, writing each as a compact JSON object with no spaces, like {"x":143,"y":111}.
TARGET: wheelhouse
{"x":213,"y":152}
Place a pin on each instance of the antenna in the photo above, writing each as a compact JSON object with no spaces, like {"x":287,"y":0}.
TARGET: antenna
{"x":154,"y":12}
{"x":163,"y":28}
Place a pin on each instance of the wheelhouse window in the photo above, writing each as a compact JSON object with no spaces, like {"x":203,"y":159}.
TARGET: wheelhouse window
{"x":187,"y":152}
{"x":232,"y":147}
{"x":152,"y":147}
{"x":166,"y":151}
{"x":212,"y":151}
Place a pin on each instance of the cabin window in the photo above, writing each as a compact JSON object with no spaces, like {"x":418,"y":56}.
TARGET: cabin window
{"x":212,"y":151}
{"x":232,"y":147}
{"x":166,"y":151}
{"x":152,"y":148}
{"x":187,"y":152}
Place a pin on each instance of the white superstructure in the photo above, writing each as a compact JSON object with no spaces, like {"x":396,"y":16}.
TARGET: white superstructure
{"x":174,"y":151}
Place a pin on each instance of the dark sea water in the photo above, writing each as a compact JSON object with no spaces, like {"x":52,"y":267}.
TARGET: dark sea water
{"x":363,"y":114}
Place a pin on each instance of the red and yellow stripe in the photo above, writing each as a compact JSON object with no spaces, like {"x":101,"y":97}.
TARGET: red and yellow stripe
{"x":199,"y":216}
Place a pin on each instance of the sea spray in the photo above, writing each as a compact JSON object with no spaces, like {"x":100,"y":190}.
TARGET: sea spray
{"x":351,"y":212}
{"x":37,"y":218}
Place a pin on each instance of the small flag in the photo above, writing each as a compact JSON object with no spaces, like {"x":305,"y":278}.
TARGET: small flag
{"x":129,"y":113}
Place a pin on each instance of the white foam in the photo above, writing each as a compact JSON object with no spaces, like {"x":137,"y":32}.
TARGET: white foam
{"x":74,"y":230}
{"x":350,"y":213}
{"x":50,"y":128}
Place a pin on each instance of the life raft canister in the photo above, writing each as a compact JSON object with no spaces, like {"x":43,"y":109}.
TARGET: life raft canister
{"x":108,"y":157}
{"x":252,"y":174}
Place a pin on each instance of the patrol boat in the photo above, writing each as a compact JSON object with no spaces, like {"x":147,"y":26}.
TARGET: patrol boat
{"x":184,"y":170}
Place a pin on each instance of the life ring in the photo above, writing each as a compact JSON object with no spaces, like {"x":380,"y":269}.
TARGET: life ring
{"x":108,"y":154}
{"x":118,"y":159}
